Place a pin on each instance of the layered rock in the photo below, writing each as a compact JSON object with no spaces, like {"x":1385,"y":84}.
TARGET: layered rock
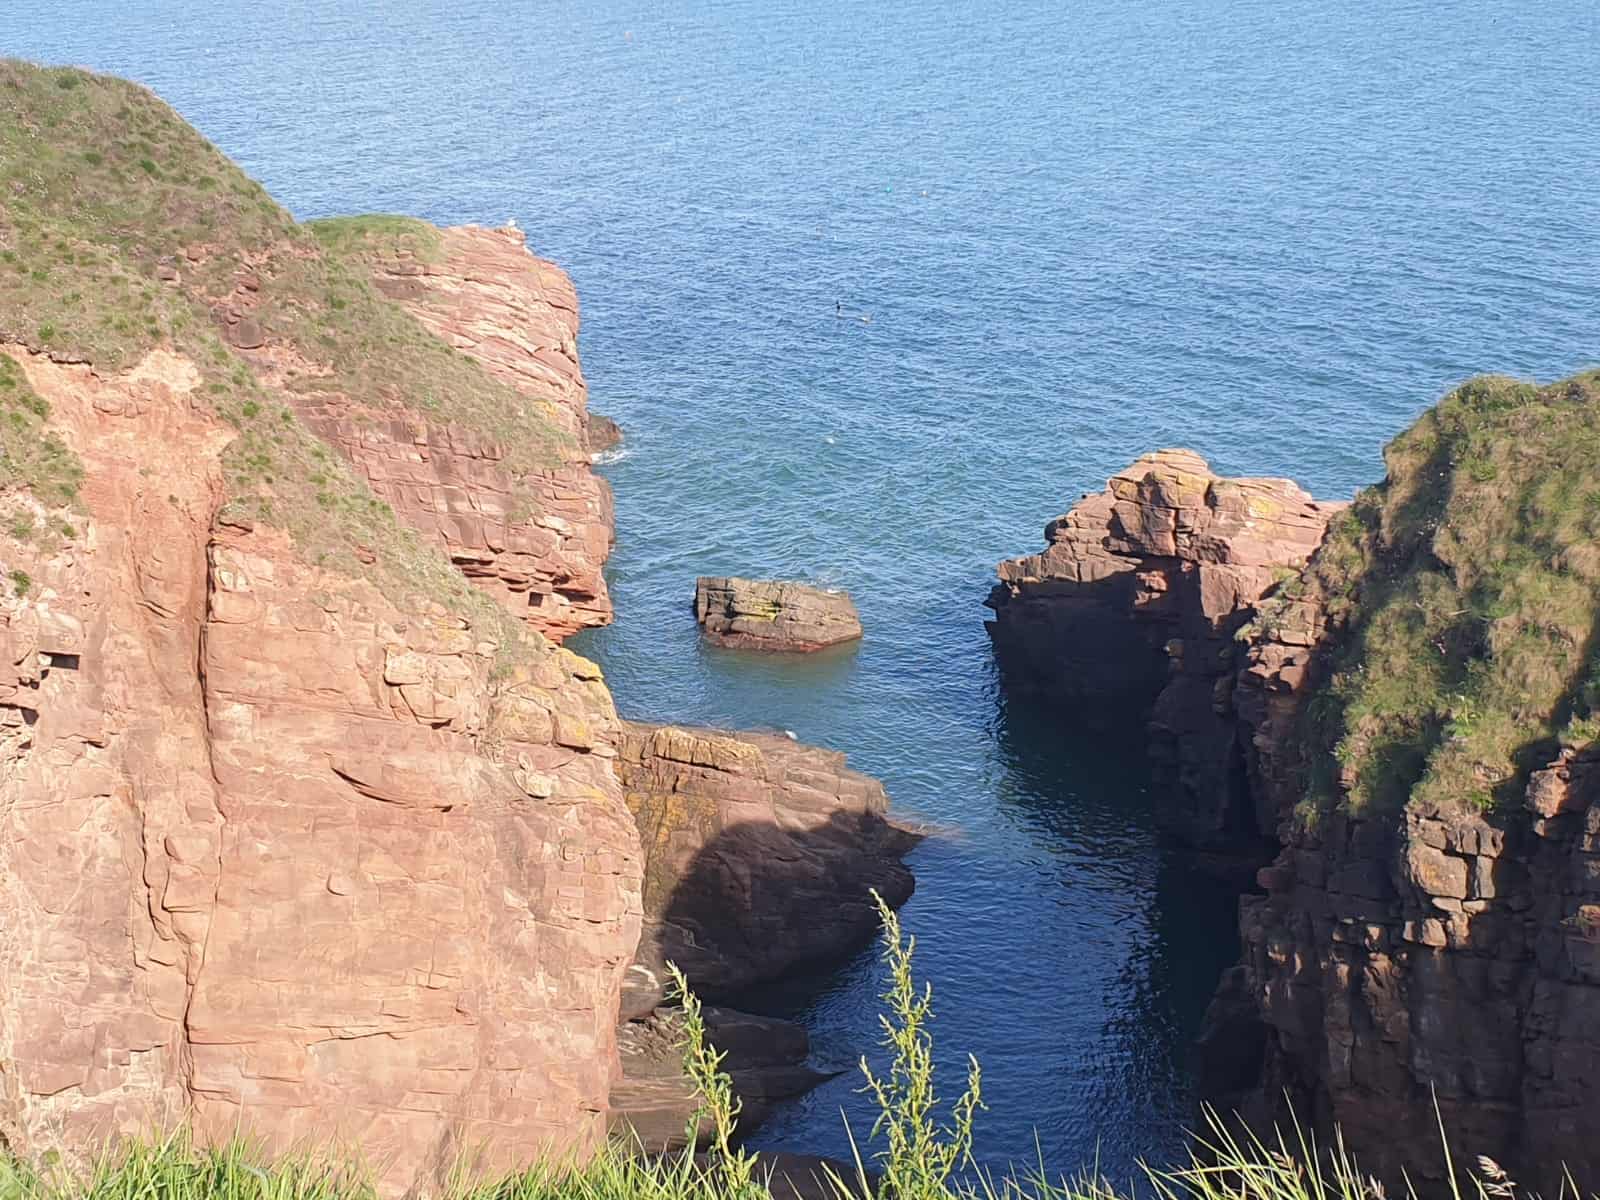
{"x":1418,"y":714}
{"x":765,"y":1057}
{"x":1412,"y":717}
{"x":278,"y":849}
{"x":1434,"y":957}
{"x":757,"y":614}
{"x":1132,"y":611}
{"x":760,"y":856}
{"x":536,"y":541}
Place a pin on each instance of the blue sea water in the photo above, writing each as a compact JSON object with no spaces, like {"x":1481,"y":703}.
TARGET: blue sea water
{"x":1272,"y":230}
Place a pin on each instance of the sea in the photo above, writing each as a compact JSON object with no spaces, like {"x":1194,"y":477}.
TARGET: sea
{"x":876,"y":290}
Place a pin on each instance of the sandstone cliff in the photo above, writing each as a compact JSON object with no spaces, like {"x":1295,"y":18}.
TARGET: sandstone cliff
{"x":298,"y":831}
{"x":1131,"y":613}
{"x":275,"y":847}
{"x":1421,"y":708}
{"x":538,"y":540}
{"x":1413,"y":716}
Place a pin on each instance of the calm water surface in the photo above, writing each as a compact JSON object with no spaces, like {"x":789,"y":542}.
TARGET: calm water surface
{"x":1272,"y":230}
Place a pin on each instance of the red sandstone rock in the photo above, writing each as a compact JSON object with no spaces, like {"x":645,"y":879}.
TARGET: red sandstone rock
{"x":1132,"y":610}
{"x":754,"y":614}
{"x":1398,"y":959}
{"x":536,"y":544}
{"x":759,"y":856}
{"x":1406,"y":958}
{"x":765,"y":1056}
{"x":275,"y":851}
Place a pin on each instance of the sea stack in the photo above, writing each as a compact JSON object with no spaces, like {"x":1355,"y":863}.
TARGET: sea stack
{"x":758,"y":614}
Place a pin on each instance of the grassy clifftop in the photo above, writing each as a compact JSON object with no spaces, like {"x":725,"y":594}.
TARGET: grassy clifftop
{"x":1464,"y":599}
{"x":123,"y":229}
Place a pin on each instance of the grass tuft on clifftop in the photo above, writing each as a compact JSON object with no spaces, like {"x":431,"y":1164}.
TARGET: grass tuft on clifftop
{"x":123,"y":229}
{"x":1464,"y":598}
{"x":31,"y":456}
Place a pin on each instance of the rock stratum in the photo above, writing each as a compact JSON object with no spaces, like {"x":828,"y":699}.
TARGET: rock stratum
{"x":308,"y":824}
{"x":1413,"y":717}
{"x":275,"y":848}
{"x":1132,"y":610}
{"x":537,"y":542}
{"x":761,"y":854}
{"x":756,"y":614}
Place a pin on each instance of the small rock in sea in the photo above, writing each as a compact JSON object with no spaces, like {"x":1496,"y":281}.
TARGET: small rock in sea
{"x":760,"y":614}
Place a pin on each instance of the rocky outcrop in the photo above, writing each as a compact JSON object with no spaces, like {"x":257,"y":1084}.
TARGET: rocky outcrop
{"x":1411,"y":717}
{"x":762,"y":615}
{"x":760,"y":856}
{"x":536,"y":541}
{"x":278,"y":848}
{"x":765,"y":1057}
{"x":1132,"y":610}
{"x":1443,"y":956}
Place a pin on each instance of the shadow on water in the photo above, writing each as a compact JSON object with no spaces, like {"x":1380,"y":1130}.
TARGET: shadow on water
{"x":1068,"y":945}
{"x":1092,"y":788}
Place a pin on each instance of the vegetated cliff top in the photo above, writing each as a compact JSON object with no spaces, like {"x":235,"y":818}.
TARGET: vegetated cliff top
{"x":1463,"y":601}
{"x":122,"y":229}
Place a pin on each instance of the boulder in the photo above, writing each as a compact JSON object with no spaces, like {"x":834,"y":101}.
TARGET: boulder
{"x":773,"y":615}
{"x":760,"y":856}
{"x":766,"y":1058}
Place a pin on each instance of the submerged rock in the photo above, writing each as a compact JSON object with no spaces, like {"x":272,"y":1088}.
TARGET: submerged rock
{"x":766,"y":1058}
{"x":600,"y":433}
{"x":773,"y":615}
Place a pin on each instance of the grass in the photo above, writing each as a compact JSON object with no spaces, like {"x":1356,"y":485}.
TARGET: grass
{"x":384,"y":236}
{"x":123,"y":229}
{"x":916,"y":1158}
{"x":32,"y":458}
{"x":1463,"y":602}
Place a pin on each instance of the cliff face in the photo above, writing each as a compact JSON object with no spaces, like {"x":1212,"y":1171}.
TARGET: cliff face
{"x":1413,"y":716}
{"x":1132,"y":610}
{"x":536,"y":541}
{"x":299,"y":832}
{"x":1438,"y":955}
{"x":276,"y":848}
{"x":1420,"y":709}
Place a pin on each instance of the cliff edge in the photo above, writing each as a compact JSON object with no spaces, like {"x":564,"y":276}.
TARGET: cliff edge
{"x":1410,"y":717}
{"x":308,"y":825}
{"x":297,"y":828}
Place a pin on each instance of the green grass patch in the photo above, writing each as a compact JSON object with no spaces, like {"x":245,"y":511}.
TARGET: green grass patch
{"x":1464,"y":602}
{"x":123,"y":229}
{"x":383,"y":236}
{"x":34,"y":460}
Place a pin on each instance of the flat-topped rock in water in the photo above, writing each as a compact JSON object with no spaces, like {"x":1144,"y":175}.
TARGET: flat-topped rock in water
{"x":760,"y":614}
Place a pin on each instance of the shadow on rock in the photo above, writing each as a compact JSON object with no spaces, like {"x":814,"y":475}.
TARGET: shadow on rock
{"x":761,"y":857}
